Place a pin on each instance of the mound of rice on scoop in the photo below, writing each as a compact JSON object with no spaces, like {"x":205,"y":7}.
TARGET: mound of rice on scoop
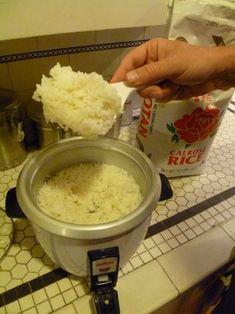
{"x":84,"y":103}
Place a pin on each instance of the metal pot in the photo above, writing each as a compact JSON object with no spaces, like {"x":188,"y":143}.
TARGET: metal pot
{"x":68,"y":244}
{"x":12,"y":148}
{"x":46,"y":133}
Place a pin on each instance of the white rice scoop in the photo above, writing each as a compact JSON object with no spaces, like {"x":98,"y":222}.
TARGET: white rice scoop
{"x":123,"y":90}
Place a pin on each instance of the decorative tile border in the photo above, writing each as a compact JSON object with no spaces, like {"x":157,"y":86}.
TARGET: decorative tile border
{"x":32,"y":286}
{"x":69,"y":50}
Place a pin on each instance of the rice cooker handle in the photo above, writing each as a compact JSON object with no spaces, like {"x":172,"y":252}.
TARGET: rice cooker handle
{"x":166,"y":190}
{"x":13,"y":209}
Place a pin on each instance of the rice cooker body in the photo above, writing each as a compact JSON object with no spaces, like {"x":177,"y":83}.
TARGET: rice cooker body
{"x":72,"y":254}
{"x":68,"y":244}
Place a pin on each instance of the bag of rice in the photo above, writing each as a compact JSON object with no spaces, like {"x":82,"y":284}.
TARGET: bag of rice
{"x":84,"y":103}
{"x":177,"y":136}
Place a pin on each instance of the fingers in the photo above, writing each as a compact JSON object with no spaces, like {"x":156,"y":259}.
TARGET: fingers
{"x":163,"y":91}
{"x":133,"y":60}
{"x":168,"y":91}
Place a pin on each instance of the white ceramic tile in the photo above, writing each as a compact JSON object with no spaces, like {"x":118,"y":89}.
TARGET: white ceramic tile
{"x":172,"y":205}
{"x":57,"y":302}
{"x":64,"y":284}
{"x":226,"y":215}
{"x":69,"y":309}
{"x":149,"y":243}
{"x":219,"y":218}
{"x":161,"y":217}
{"x":26,"y":302}
{"x":155,"y":252}
{"x":164,"y":247}
{"x":229,"y":227}
{"x":146,"y":257}
{"x":190,"y":234}
{"x":44,"y":307}
{"x":191,"y":222}
{"x":31,"y":311}
{"x":52,"y":290}
{"x":173,"y":243}
{"x":29,"y":276}
{"x":3,"y":310}
{"x":226,"y":204}
{"x":205,"y":226}
{"x":19,"y":271}
{"x":8,"y":263}
{"x":198,"y":258}
{"x":158,"y":238}
{"x":13,"y":307}
{"x":69,"y":296}
{"x":212,"y":211}
{"x":206,"y":215}
{"x":166,"y":234}
{"x":198,"y":230}
{"x":81,"y":290}
{"x":136,"y":262}
{"x":175,"y":230}
{"x":39,"y":296}
{"x":12,"y":284}
{"x":136,"y":298}
{"x":183,"y":226}
{"x":232,"y":211}
{"x":141,"y":248}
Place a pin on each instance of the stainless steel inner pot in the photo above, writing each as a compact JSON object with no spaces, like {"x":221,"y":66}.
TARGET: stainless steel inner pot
{"x":12,"y":146}
{"x":46,"y":133}
{"x":71,"y":151}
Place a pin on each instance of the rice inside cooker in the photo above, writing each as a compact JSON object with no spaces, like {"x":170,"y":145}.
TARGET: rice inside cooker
{"x":89,"y":193}
{"x":84,"y":103}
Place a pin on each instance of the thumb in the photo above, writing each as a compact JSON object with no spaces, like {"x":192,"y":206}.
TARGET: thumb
{"x":151,"y":73}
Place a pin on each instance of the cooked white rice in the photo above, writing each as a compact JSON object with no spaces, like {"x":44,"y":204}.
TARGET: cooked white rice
{"x":84,"y":103}
{"x":89,"y":193}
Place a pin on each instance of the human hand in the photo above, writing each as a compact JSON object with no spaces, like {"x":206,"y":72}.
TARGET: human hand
{"x":170,"y":69}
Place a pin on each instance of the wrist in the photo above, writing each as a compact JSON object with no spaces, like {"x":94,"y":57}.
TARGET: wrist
{"x":224,"y":64}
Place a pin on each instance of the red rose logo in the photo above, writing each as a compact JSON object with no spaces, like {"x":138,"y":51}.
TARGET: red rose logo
{"x":196,"y":126}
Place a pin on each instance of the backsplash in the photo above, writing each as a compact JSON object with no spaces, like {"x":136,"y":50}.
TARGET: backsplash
{"x":23,"y":61}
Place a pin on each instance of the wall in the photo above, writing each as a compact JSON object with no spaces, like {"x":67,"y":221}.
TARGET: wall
{"x":24,"y":60}
{"x":27,"y":18}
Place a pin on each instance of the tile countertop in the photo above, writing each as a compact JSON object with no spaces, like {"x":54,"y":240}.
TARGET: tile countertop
{"x":195,"y":230}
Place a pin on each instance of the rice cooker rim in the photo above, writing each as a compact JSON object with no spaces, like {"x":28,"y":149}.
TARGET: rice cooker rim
{"x":85,"y":231}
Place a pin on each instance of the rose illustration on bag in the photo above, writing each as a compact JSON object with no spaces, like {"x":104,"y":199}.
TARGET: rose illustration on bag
{"x":195,"y":127}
